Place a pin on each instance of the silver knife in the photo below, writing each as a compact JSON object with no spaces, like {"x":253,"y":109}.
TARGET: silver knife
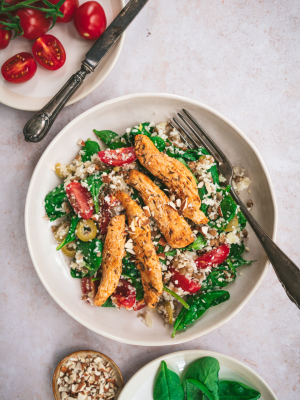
{"x":39,"y":125}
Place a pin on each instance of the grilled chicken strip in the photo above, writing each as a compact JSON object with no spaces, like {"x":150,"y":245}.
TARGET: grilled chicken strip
{"x":147,"y":261}
{"x":113,"y":253}
{"x":175,"y":176}
{"x":175,"y":229}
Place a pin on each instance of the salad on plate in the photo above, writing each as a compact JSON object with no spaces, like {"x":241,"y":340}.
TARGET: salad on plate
{"x":149,"y":224}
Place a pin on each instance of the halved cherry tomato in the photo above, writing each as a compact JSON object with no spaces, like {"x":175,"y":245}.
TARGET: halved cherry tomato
{"x":19,"y":68}
{"x":125,"y":155}
{"x":108,"y":203}
{"x":90,"y":20}
{"x":125,"y":295}
{"x":139,"y":305}
{"x":186,"y":284}
{"x":214,"y":257}
{"x":33,"y":22}
{"x":68,"y":8}
{"x":80,"y":199}
{"x":5,"y":37}
{"x":49,"y":52}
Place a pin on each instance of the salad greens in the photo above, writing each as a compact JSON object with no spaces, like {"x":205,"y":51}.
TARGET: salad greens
{"x":93,"y":184}
{"x":71,"y":232}
{"x":133,"y":275}
{"x":54,"y":203}
{"x":235,"y":255}
{"x":89,"y":150}
{"x":180,"y":299}
{"x":200,"y":382}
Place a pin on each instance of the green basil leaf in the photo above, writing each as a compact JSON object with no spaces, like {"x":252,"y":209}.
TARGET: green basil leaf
{"x":230,"y":390}
{"x":167,"y":385}
{"x":71,"y":232}
{"x":89,"y":150}
{"x":201,"y":387}
{"x":54,"y":201}
{"x":106,"y":136}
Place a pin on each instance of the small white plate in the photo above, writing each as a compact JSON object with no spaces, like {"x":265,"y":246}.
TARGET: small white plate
{"x":34,"y":94}
{"x":140,"y":386}
{"x":53,"y":267}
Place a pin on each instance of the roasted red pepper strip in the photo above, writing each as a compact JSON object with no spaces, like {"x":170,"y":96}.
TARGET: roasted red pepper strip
{"x":80,"y":199}
{"x":125,"y":155}
{"x":214,"y":257}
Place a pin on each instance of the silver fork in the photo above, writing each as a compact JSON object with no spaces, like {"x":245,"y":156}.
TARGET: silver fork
{"x":286,"y":271}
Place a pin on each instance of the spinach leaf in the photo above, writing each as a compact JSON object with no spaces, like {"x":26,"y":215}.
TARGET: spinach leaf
{"x":228,"y":207}
{"x":200,"y":386}
{"x":160,"y":144}
{"x":94,"y":183}
{"x":180,"y":299}
{"x":142,"y":129}
{"x":230,"y":390}
{"x":89,"y":150}
{"x":108,"y":303}
{"x":54,"y":201}
{"x":71,"y":233}
{"x":136,"y":197}
{"x":206,"y":371}
{"x":117,"y":145}
{"x":131,"y":272}
{"x":167,"y":385}
{"x":76,"y":274}
{"x":192,"y":392}
{"x":90,"y":251}
{"x":235,"y":255}
{"x":220,"y":276}
{"x":198,"y":244}
{"x":106,"y":136}
{"x":242,"y":219}
{"x":198,"y":303}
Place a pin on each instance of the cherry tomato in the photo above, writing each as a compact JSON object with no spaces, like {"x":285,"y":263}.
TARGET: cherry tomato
{"x":125,"y":155}
{"x":214,"y":257}
{"x":186,"y":284}
{"x":33,"y":22}
{"x":80,"y":199}
{"x":5,"y":37}
{"x":19,"y":68}
{"x":139,"y":305}
{"x":108,"y":203}
{"x":68,"y":8}
{"x":88,"y":289}
{"x":90,"y":20}
{"x":49,"y":52}
{"x":125,"y":295}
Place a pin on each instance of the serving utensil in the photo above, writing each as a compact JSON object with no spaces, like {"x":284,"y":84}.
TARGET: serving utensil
{"x":39,"y":125}
{"x":287,"y":272}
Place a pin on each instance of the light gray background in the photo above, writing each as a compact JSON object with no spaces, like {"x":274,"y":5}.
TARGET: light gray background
{"x":240,"y":57}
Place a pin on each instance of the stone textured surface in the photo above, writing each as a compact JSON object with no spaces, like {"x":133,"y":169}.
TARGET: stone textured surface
{"x":240,"y":57}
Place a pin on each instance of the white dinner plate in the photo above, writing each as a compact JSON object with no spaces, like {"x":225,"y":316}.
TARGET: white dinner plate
{"x":53,"y":267}
{"x":140,"y":386}
{"x":34,"y":94}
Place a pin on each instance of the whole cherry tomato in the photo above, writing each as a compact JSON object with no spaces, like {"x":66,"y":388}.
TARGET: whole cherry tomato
{"x":90,"y":20}
{"x":125,"y":295}
{"x":19,"y":68}
{"x":108,"y":203}
{"x":5,"y":37}
{"x":125,"y":155}
{"x":80,"y":199}
{"x":49,"y":52}
{"x":186,"y":284}
{"x":68,"y":8}
{"x":214,"y":257}
{"x":33,"y":22}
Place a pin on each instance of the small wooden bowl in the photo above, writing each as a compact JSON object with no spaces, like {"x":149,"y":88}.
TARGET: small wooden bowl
{"x":84,"y":353}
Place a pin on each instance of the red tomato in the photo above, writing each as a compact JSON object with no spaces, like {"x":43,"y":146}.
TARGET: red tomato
{"x":49,"y":52}
{"x":180,"y":281}
{"x":5,"y":37}
{"x":139,"y":305}
{"x":80,"y":199}
{"x":125,"y":155}
{"x":88,"y":289}
{"x":33,"y":22}
{"x":124,"y":296}
{"x":19,"y":68}
{"x":108,"y":203}
{"x":214,"y":257}
{"x":90,"y":20}
{"x":68,"y":8}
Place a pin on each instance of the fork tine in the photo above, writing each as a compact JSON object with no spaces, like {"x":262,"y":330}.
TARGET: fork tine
{"x":182,"y":137}
{"x":186,"y":132}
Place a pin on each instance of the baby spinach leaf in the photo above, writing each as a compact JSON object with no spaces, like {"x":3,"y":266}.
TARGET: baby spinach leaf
{"x":106,"y":136}
{"x":108,"y":303}
{"x":159,"y":143}
{"x":71,"y":232}
{"x":235,"y":255}
{"x":167,"y":385}
{"x":76,"y":274}
{"x":94,"y":183}
{"x":206,"y":371}
{"x":142,"y":129}
{"x":180,"y":299}
{"x":228,"y":207}
{"x":89,"y":150}
{"x":214,"y":174}
{"x":136,"y":197}
{"x":117,"y":145}
{"x":200,"y":386}
{"x":131,"y":272}
{"x":220,"y":276}
{"x":198,"y":244}
{"x":242,"y":219}
{"x":54,"y":201}
{"x":230,"y":390}
{"x":90,"y":251}
{"x":192,"y":392}
{"x":198,"y":303}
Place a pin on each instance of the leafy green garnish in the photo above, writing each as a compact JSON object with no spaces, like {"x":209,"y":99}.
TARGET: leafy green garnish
{"x":190,"y":391}
{"x":159,"y":143}
{"x":108,"y":303}
{"x":198,"y":244}
{"x":230,"y":390}
{"x":71,"y":232}
{"x":54,"y":201}
{"x":242,"y":219}
{"x":94,"y":183}
{"x":235,"y":255}
{"x":167,"y":385}
{"x":131,"y":272}
{"x":106,"y":136}
{"x":180,"y":299}
{"x":220,"y":276}
{"x":117,"y":145}
{"x":89,"y":150}
{"x":198,"y":303}
{"x":90,"y":251}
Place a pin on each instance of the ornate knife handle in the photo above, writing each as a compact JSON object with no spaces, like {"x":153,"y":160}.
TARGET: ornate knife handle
{"x":38,"y":126}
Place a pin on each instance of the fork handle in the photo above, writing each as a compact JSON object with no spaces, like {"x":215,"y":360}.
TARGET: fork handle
{"x":287,"y":272}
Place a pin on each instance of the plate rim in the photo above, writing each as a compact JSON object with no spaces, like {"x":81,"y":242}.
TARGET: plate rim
{"x":26,"y":107}
{"x":201,"y":353}
{"x":178,"y":339}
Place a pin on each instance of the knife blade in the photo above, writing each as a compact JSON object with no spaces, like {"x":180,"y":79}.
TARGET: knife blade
{"x":39,"y":125}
